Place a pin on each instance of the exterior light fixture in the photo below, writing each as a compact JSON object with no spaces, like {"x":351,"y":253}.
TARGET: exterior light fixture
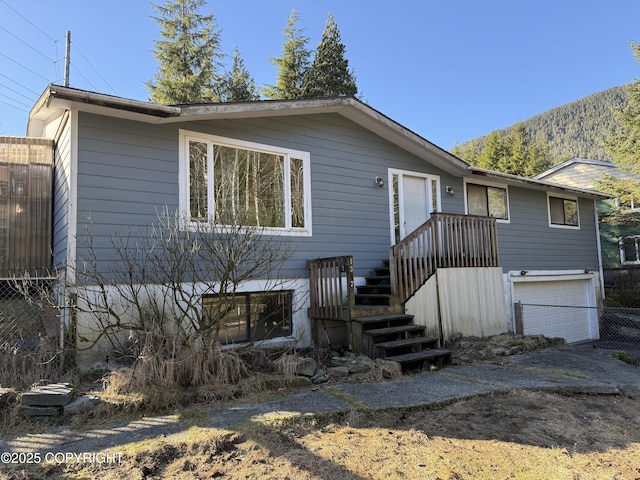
{"x":380,"y":182}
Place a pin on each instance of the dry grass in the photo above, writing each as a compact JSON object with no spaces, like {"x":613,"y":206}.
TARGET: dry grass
{"x":521,"y":435}
{"x":163,"y":361}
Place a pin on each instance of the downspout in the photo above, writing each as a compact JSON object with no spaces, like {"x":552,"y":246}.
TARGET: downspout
{"x":595,"y":214}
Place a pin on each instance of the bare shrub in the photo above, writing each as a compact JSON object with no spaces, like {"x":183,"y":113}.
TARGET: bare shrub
{"x":144,"y":295}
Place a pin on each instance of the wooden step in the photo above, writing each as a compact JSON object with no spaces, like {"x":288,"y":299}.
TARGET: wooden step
{"x":395,"y":348}
{"x":367,"y":289}
{"x":373,"y":298}
{"x":388,"y":320}
{"x":382,"y":274}
{"x":379,"y":278}
{"x":406,"y":342}
{"x":379,"y":332}
{"x":432,"y":355}
{"x":367,"y":311}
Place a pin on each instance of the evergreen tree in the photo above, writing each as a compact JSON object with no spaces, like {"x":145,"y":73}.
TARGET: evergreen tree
{"x":469,"y":152}
{"x":495,"y":149}
{"x":624,"y":143}
{"x":515,"y":153}
{"x":189,"y":54}
{"x":293,"y":64}
{"x":237,"y":85}
{"x":329,"y":74}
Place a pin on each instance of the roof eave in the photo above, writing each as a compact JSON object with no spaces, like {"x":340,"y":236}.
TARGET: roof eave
{"x":57,"y":98}
{"x":538,"y":184}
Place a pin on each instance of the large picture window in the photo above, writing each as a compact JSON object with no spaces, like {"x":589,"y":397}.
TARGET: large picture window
{"x":563,"y":212}
{"x":487,"y":201}
{"x":251,"y":316}
{"x":231,"y":182}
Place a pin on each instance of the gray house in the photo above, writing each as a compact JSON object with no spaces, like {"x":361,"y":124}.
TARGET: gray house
{"x":396,"y":240}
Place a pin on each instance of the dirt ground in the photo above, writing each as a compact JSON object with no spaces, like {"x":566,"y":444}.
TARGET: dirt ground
{"x":520,"y":435}
{"x":517,"y":435}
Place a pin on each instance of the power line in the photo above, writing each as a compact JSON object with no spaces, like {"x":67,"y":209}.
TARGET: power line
{"x":17,"y":93}
{"x":29,"y":21}
{"x":12,"y":80}
{"x":17,"y":108}
{"x":26,"y":68}
{"x":82,"y":75}
{"x":14,"y":100}
{"x":32,"y":48}
{"x":55,"y":62}
{"x":94,"y":68}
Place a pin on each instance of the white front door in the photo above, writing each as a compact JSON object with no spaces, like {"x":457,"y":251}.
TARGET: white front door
{"x":413,"y":196}
{"x":415,"y":203}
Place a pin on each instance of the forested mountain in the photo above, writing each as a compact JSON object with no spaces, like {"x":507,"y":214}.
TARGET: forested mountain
{"x":577,"y":129}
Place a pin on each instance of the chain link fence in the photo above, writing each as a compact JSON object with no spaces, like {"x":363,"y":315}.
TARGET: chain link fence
{"x":607,"y":327}
{"x":35,"y":341}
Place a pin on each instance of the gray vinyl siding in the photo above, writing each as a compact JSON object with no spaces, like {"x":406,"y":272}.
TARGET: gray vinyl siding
{"x":61,"y":191}
{"x":529,"y":243}
{"x":128,"y":170}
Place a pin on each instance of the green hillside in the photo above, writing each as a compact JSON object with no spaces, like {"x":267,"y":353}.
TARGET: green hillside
{"x":576,"y":129}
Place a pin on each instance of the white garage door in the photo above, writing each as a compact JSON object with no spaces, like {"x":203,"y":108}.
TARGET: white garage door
{"x":572,"y":324}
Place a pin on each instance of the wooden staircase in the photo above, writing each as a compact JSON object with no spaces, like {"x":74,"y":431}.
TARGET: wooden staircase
{"x":373,"y":320}
{"x":383,"y":330}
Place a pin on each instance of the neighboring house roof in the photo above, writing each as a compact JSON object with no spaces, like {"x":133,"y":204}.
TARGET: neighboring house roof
{"x":57,"y":99}
{"x":582,"y":173}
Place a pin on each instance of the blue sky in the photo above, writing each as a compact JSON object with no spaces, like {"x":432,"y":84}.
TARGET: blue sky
{"x":449,"y":71}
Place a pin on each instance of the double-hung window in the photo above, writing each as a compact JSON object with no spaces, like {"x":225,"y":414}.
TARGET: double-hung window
{"x":230,"y":182}
{"x":487,"y":201}
{"x":563,"y":212}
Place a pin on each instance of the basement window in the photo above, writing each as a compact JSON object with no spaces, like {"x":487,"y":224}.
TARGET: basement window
{"x":250,"y":317}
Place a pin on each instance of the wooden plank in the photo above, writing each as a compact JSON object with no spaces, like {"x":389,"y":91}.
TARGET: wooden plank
{"x":417,"y":356}
{"x":406,"y":342}
{"x":398,"y":329}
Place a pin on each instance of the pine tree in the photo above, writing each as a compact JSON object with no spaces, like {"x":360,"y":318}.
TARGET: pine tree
{"x":293,"y":64}
{"x":515,"y":153}
{"x":624,"y":143}
{"x":189,"y":54}
{"x":237,"y":85}
{"x":329,"y":74}
{"x":494,"y":150}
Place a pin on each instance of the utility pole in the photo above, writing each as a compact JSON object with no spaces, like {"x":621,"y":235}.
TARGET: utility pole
{"x":67,"y":59}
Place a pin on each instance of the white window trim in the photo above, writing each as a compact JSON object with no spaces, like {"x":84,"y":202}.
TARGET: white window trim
{"x":183,"y":177}
{"x":623,"y":260}
{"x":487,"y":183}
{"x":566,"y":197}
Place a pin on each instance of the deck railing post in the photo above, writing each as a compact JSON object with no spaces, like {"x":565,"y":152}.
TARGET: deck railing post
{"x":445,"y":240}
{"x":351,"y":296}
